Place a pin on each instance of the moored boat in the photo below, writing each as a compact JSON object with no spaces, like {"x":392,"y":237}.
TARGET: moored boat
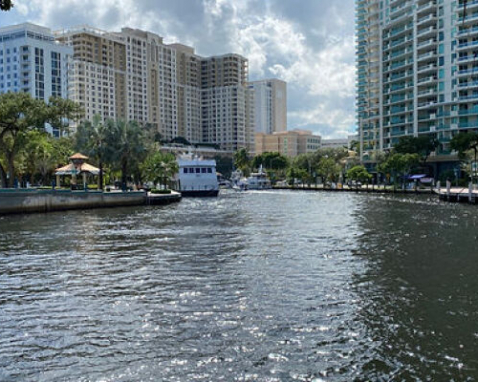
{"x":197,"y":177}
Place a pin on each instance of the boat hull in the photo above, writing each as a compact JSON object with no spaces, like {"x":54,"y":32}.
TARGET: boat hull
{"x":200,"y":193}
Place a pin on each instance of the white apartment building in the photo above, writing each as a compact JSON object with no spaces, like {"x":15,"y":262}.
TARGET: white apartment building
{"x":417,"y":71}
{"x":32,"y":62}
{"x":270,"y":106}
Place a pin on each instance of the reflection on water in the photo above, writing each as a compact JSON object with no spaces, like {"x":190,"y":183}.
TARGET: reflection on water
{"x":256,"y":286}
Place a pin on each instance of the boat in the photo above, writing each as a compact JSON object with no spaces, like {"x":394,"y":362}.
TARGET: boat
{"x":258,"y":181}
{"x":197,"y":177}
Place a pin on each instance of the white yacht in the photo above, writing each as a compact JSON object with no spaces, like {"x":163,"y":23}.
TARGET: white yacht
{"x":258,"y":181}
{"x":197,"y":177}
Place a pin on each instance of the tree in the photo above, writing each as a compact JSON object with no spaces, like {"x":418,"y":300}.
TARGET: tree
{"x":464,"y":142}
{"x":6,"y":5}
{"x":38,"y":156}
{"x":19,"y":113}
{"x":60,"y":112}
{"x":224,"y":165}
{"x":270,"y":160}
{"x":359,"y":173}
{"x":91,"y":139}
{"x":423,"y":145}
{"x":126,"y":147}
{"x":328,"y":169}
{"x":294,"y":173}
{"x":399,"y":164}
{"x":159,"y":167}
{"x":242,"y":160}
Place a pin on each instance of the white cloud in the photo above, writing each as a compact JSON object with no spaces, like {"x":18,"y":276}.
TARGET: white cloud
{"x":315,"y":55}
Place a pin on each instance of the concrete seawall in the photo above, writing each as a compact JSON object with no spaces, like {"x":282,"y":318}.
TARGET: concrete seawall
{"x":31,"y":200}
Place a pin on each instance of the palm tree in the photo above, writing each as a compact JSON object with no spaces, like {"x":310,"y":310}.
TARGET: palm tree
{"x":159,"y":167}
{"x":126,"y":146}
{"x":241,"y":160}
{"x":91,"y":140}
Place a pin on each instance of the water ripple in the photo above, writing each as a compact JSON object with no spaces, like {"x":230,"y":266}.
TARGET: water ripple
{"x":274,"y":286}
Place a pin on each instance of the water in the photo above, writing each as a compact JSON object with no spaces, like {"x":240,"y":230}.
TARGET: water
{"x":258,"y":286}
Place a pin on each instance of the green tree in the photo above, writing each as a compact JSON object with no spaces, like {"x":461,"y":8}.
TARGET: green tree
{"x":359,"y":173}
{"x":294,"y":173}
{"x":6,"y":5}
{"x":38,"y":156}
{"x":19,"y":113}
{"x":328,"y":169}
{"x":91,"y":139}
{"x":242,"y":160}
{"x":126,"y":147}
{"x":224,"y":165}
{"x":463,"y":143}
{"x":399,"y":164}
{"x":159,"y":168}
{"x":270,"y":160}
{"x":60,"y":112}
{"x":423,"y":145}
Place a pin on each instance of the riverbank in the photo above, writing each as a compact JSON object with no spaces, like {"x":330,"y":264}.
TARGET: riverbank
{"x":18,"y":201}
{"x":363,"y":189}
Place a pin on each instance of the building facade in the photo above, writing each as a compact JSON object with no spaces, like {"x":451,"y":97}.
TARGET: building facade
{"x":227,"y":102}
{"x":134,"y":75}
{"x":289,"y":143}
{"x":417,"y":72}
{"x":270,"y":105}
{"x":32,"y":62}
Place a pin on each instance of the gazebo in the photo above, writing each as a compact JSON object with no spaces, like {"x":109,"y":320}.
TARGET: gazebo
{"x":76,"y":167}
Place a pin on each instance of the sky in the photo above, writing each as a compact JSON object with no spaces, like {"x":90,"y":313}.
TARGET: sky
{"x":307,"y":43}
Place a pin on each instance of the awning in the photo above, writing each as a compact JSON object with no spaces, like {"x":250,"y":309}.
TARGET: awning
{"x":417,"y":176}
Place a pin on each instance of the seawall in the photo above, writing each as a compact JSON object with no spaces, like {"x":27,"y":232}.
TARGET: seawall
{"x":33,"y":200}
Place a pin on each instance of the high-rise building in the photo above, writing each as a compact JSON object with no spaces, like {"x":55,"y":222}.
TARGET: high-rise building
{"x":32,"y":62}
{"x":417,"y":72}
{"x":270,"y":105}
{"x":227,"y":102}
{"x":97,"y":72}
{"x":134,"y":75}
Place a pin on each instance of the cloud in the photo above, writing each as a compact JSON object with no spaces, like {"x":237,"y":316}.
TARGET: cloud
{"x":308,"y":43}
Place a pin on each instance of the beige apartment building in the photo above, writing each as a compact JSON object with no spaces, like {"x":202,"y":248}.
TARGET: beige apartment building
{"x":290,"y":143}
{"x":227,"y":102}
{"x":97,"y":77}
{"x":134,"y":75}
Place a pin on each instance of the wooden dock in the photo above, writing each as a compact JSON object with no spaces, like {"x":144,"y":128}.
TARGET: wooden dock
{"x":458,"y":195}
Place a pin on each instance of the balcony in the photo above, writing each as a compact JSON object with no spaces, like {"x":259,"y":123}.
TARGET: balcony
{"x":468,"y":19}
{"x":426,"y":56}
{"x":467,"y":45}
{"x":431,"y":30}
{"x":427,"y":80}
{"x":426,"y":68}
{"x":426,"y":44}
{"x":431,"y":18}
{"x":468,"y":84}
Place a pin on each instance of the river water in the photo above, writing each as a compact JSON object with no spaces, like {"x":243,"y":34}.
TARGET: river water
{"x":255,"y":286}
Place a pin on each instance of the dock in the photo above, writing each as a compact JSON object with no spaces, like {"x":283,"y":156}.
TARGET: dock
{"x":458,"y":195}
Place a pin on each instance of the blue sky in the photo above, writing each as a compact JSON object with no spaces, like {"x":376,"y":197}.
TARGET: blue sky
{"x":308,"y":43}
